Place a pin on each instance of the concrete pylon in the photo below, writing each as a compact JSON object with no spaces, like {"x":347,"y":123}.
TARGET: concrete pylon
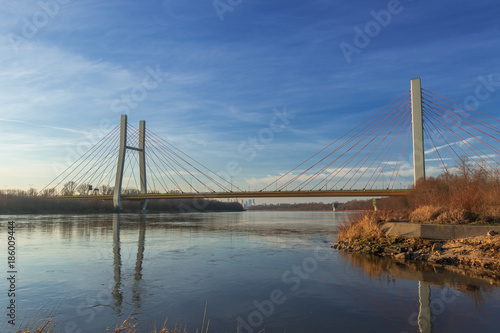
{"x":142,"y":162}
{"x":424,"y":313}
{"x":121,"y":162}
{"x":418,"y":131}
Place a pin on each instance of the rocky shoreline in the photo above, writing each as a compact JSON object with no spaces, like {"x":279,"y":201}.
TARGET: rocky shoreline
{"x":478,"y":256}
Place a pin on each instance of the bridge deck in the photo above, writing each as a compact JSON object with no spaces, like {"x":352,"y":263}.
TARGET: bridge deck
{"x":270,"y":194}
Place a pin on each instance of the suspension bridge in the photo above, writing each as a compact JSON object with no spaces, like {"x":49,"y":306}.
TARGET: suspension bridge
{"x":366,"y":161}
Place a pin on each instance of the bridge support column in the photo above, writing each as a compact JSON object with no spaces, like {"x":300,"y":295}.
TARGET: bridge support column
{"x":121,"y":164}
{"x":418,"y":133}
{"x":142,"y":162}
{"x":425,"y":311}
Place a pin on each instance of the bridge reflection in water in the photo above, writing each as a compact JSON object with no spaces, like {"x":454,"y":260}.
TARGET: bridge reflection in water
{"x":117,"y":290}
{"x":426,"y":275}
{"x":430,"y":305}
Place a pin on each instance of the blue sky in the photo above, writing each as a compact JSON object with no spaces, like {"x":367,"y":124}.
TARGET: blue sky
{"x":220,"y":69}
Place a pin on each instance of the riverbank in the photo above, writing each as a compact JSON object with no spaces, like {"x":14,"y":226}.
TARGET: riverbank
{"x":25,"y":204}
{"x":476,"y":256}
{"x":451,"y":221}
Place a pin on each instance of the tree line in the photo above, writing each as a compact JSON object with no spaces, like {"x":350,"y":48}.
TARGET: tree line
{"x":357,"y":205}
{"x":30,"y":202}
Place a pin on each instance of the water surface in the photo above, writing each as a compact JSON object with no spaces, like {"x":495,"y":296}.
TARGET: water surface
{"x":252,"y":271}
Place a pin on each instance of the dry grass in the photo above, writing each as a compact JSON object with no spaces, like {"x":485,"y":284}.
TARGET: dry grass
{"x":469,"y":196}
{"x":442,"y":215}
{"x":129,"y":325}
{"x":426,"y":214}
{"x":360,"y":226}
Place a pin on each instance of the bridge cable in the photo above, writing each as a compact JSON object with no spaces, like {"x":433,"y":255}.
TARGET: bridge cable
{"x":386,"y":149}
{"x":367,"y":135}
{"x":404,"y":96}
{"x":492,"y":118}
{"x":84,"y":156}
{"x":164,"y":144}
{"x":373,"y":125}
{"x":466,"y":142}
{"x":462,"y":141}
{"x":464,"y":119}
{"x":98,"y":160}
{"x":401,"y":156}
{"x":372,"y":129}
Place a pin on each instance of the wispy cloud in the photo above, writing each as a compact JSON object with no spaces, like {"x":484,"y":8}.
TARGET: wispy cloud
{"x":461,"y":143}
{"x":45,"y":126}
{"x":225,"y":78}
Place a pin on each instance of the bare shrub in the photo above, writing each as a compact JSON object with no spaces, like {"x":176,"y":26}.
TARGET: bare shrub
{"x":456,"y":216}
{"x":470,"y":195}
{"x":425,"y":214}
{"x":360,"y":225}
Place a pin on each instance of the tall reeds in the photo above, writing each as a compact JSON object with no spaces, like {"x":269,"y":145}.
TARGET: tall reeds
{"x":360,"y":226}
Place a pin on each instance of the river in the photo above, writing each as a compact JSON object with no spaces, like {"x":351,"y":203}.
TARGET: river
{"x":249,"y":271}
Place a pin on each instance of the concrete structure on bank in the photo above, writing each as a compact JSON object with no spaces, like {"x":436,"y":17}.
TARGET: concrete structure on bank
{"x":436,"y":231}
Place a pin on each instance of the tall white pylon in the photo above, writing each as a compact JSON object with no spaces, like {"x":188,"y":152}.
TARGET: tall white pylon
{"x":121,"y":162}
{"x":418,"y":132}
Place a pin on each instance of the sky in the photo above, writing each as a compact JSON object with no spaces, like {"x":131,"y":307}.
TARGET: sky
{"x":207,"y":76}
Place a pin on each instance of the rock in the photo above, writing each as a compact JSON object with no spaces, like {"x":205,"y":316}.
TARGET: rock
{"x":492,"y":233}
{"x":433,"y":259}
{"x":436,"y":247}
{"x":335,"y":246}
{"x":401,"y":256}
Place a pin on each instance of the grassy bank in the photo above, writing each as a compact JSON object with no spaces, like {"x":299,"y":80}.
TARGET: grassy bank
{"x":129,"y":325}
{"x":464,"y":197}
{"x":470,"y":197}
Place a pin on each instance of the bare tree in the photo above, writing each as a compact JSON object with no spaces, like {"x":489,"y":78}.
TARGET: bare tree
{"x":69,"y":188}
{"x":82,"y":189}
{"x":32,"y":192}
{"x":464,"y":167}
{"x":49,"y":192}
